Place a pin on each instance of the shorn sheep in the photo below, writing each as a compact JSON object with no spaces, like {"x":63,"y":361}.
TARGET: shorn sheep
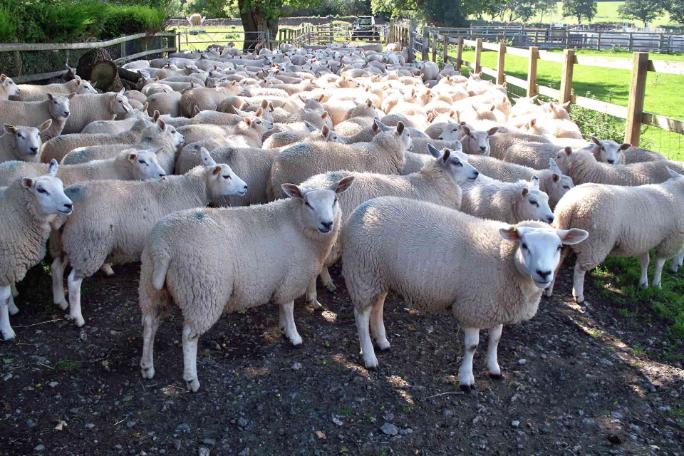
{"x":624,"y":221}
{"x":113,"y":219}
{"x":28,"y":206}
{"x":22,"y":143}
{"x":210,"y":261}
{"x":34,"y":113}
{"x":386,"y":248}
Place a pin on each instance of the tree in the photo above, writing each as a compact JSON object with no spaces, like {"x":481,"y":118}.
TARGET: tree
{"x":643,"y":10}
{"x":545,"y":7}
{"x":675,"y":8}
{"x":579,"y":9}
{"x":436,"y":12}
{"x":208,"y":8}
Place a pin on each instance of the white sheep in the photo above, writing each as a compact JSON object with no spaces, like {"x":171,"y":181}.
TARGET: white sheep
{"x":22,"y":143}
{"x":34,"y":113}
{"x":28,"y":206}
{"x":608,"y":151}
{"x":8,"y":88}
{"x":31,"y":92}
{"x":624,"y":221}
{"x":486,"y":272}
{"x":476,"y":142}
{"x":89,"y":107}
{"x":114,"y":218}
{"x":235,"y":259}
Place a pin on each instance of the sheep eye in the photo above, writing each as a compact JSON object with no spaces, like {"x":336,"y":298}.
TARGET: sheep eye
{"x":226,"y":177}
{"x":567,"y":187}
{"x":19,"y":135}
{"x":524,"y":246}
{"x":335,"y":202}
{"x":306,"y":203}
{"x":142,"y":162}
{"x":43,"y":191}
{"x":560,"y":247}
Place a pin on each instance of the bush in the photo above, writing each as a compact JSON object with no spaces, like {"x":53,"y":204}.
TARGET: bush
{"x":8,"y":26}
{"x":129,"y":19}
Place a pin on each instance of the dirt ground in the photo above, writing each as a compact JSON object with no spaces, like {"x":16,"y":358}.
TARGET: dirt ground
{"x":577,"y":380}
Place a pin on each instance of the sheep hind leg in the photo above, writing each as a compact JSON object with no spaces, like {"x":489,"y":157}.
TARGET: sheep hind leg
{"x":644,"y":260}
{"x":362,"y":317}
{"x":15,"y":292}
{"x":11,"y":306}
{"x":377,"y":325}
{"x":107,"y":270}
{"x":5,"y":327}
{"x":312,"y":296}
{"x":492,"y":352}
{"x":658,"y":273}
{"x":150,"y":326}
{"x":327,"y":280}
{"x":465,"y":372}
{"x":57,"y":273}
{"x":190,"y":342}
{"x":548,"y":292}
{"x":677,"y":261}
{"x":287,"y":323}
{"x":74,"y":282}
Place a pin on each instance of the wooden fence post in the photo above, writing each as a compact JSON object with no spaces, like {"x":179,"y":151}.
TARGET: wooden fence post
{"x":434,"y":46}
{"x":478,"y":55}
{"x":425,"y":48}
{"x":459,"y":54}
{"x":445,"y":57}
{"x":566,"y":75}
{"x":637,"y":92}
{"x":412,"y":41}
{"x":500,"y":67}
{"x":532,"y":71}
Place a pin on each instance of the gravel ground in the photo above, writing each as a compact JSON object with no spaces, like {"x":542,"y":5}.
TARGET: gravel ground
{"x":577,"y":380}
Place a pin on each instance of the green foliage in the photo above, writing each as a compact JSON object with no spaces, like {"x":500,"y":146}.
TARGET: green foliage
{"x":599,"y":124}
{"x":675,"y":9}
{"x":208,"y":8}
{"x":8,"y":25}
{"x":130,"y":19}
{"x":435,"y":12}
{"x":643,"y":10}
{"x":580,"y":9}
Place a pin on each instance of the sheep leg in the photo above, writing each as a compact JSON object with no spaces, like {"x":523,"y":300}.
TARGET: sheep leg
{"x":362,"y":317}
{"x":677,"y":261}
{"x":15,"y":292}
{"x":492,"y":353}
{"x":658,"y":274}
{"x":12,"y":307}
{"x":190,"y":342}
{"x":107,"y":269}
{"x":465,"y":372}
{"x":5,"y":328}
{"x":57,"y":273}
{"x":563,"y":255}
{"x":74,"y":282}
{"x":287,"y":323}
{"x":327,"y":280}
{"x":312,"y":295}
{"x":644,"y":260}
{"x":578,"y":283}
{"x":150,"y":326}
{"x":377,"y":325}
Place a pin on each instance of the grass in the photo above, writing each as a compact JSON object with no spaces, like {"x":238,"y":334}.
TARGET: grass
{"x":605,"y":12}
{"x":619,"y":277}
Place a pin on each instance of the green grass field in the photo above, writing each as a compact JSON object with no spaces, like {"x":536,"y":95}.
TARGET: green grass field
{"x":605,"y":12}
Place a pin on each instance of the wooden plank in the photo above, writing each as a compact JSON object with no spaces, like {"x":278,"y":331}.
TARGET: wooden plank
{"x":500,"y":67}
{"x":490,"y":46}
{"x":660,"y":66}
{"x":666,"y":123}
{"x":143,"y":54}
{"x":445,"y":45}
{"x":533,"y":57}
{"x":512,"y":80}
{"x":551,"y":57}
{"x":517,"y":52}
{"x":637,"y":91}
{"x":5,"y":47}
{"x":566,"y":76}
{"x":459,"y":54}
{"x":488,"y":72}
{"x":548,"y":92}
{"x":601,"y":106}
{"x":470,"y":43}
{"x":603,"y":62}
{"x":37,"y":77}
{"x":426,"y":43}
{"x":478,"y":55}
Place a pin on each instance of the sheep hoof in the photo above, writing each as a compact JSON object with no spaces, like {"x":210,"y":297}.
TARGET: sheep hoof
{"x":107,"y":270}
{"x":192,"y":385}
{"x":315,"y":304}
{"x":382,"y":345}
{"x":13,"y":310}
{"x":147,"y":372}
{"x":371,"y":363}
{"x":467,"y":388}
{"x":62,"y":305}
{"x":78,"y":320}
{"x":8,"y":335}
{"x":548,"y":292}
{"x":296,"y":341}
{"x":331,"y":287}
{"x":579,"y":300}
{"x":643,"y":285}
{"x":498,"y":376}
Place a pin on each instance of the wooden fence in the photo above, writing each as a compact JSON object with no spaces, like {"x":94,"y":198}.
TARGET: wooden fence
{"x":434,"y":41}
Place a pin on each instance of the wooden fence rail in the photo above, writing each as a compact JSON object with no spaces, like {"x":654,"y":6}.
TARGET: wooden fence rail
{"x":633,"y":114}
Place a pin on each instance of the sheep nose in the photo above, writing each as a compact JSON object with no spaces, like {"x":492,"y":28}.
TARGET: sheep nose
{"x":162,"y":174}
{"x":34,"y":149}
{"x":477,"y":173}
{"x":549,"y":218}
{"x":244,"y":187}
{"x":68,"y":206}
{"x":327,"y":225}
{"x":611,"y":161}
{"x":483,"y":148}
{"x":543,"y":274}
{"x":66,"y":113}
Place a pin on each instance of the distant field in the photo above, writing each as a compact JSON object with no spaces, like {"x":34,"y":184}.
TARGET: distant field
{"x":606,"y":12}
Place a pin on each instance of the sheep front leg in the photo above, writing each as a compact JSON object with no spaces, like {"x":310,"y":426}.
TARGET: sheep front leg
{"x":465,"y":372}
{"x":287,"y":323}
{"x":578,"y":283}
{"x":327,"y":280}
{"x":150,"y":326}
{"x":492,"y":352}
{"x":677,"y":261}
{"x":658,"y":273}
{"x":312,"y":295}
{"x":57,"y":273}
{"x":5,"y":328}
{"x":190,"y":342}
{"x":644,"y":260}
{"x":74,"y":282}
{"x":15,"y":292}
{"x":362,"y":317}
{"x":377,"y":325}
{"x":12,"y":307}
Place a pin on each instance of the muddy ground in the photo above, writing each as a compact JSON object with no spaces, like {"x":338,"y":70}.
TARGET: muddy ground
{"x":577,"y":380}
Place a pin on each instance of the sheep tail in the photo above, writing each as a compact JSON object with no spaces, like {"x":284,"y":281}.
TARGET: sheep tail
{"x":160,"y":265}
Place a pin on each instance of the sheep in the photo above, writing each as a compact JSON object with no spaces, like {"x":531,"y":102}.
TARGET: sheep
{"x":22,"y":143}
{"x":385,"y":154}
{"x":505,"y":138}
{"x":252,"y":165}
{"x":34,"y":113}
{"x":114,"y":218}
{"x":29,"y":92}
{"x":165,"y":103}
{"x":114,"y":127}
{"x":608,"y":151}
{"x":28,"y":206}
{"x":130,"y":164}
{"x":57,"y":148}
{"x":510,"y":202}
{"x":205,"y":98}
{"x":555,"y":128}
{"x":386,"y":248}
{"x":636,"y":155}
{"x":624,"y":221}
{"x":87,"y":108}
{"x":533,"y":155}
{"x":8,"y":88}
{"x":247,"y":133}
{"x":583,"y":168}
{"x":551,"y":181}
{"x":438,"y":181}
{"x":219,"y":267}
{"x":476,"y":142}
{"x":285,"y":138}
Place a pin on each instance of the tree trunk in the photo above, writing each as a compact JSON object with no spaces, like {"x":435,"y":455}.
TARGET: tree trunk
{"x":256,"y":25}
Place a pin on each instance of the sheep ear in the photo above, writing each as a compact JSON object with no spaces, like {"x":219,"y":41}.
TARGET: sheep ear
{"x":375,"y":126}
{"x":673,"y":174}
{"x":535,"y":182}
{"x":320,"y":99}
{"x":264,"y":104}
{"x":595,"y":140}
{"x":156,"y":115}
{"x":325,"y":130}
{"x":324,"y":115}
{"x":132,"y":157}
{"x":52,"y":169}
{"x":292,"y":191}
{"x":217,"y":170}
{"x":492,"y":130}
{"x":10,"y":128}
{"x":555,"y":177}
{"x":625,"y":146}
{"x":400,"y":127}
{"x":50,"y":96}
{"x":248,"y":121}
{"x":510,"y":234}
{"x":45,"y":125}
{"x":465,"y":129}
{"x":524,"y":192}
{"x":121,"y":92}
{"x":27,"y":182}
{"x":369,"y":103}
{"x":162,"y":124}
{"x":207,"y":159}
{"x":433,"y":151}
{"x":259,"y":112}
{"x":344,"y":184}
{"x":446,"y":155}
{"x":2,"y":77}
{"x":572,"y":236}
{"x":71,"y":95}
{"x":568,"y":150}
{"x":311,"y":127}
